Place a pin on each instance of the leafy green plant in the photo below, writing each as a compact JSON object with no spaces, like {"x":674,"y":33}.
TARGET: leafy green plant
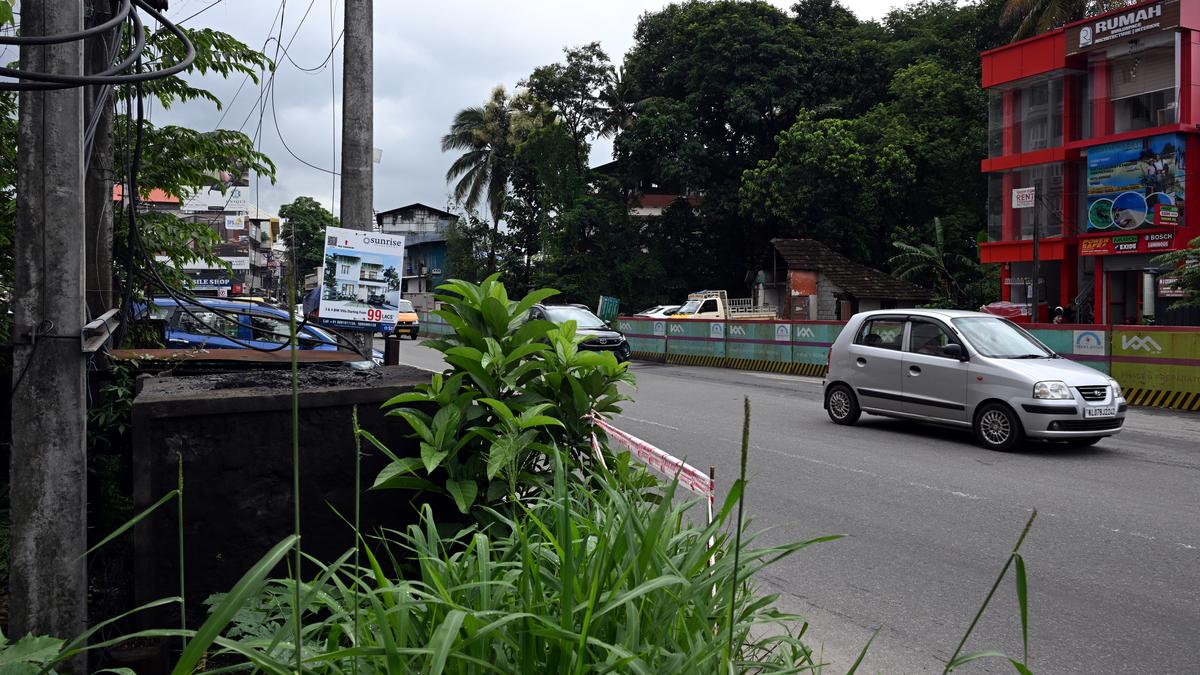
{"x":584,"y":577}
{"x":514,"y":389}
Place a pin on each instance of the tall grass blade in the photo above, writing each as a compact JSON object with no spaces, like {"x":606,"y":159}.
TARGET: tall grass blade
{"x":1023,"y":601}
{"x":246,"y":587}
{"x":295,"y":347}
{"x":442,"y":639}
{"x":954,"y":658}
{"x":740,"y":486}
{"x":863,"y":654}
{"x":131,"y":522}
{"x":358,"y":432}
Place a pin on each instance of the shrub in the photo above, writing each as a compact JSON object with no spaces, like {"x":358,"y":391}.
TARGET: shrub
{"x":514,"y":390}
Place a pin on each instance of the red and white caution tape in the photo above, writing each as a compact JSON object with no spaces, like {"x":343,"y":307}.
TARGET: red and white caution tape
{"x":663,"y":462}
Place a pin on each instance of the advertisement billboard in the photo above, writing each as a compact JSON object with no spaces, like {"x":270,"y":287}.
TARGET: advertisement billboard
{"x":228,"y":191}
{"x":1136,"y":184}
{"x":362,"y":273}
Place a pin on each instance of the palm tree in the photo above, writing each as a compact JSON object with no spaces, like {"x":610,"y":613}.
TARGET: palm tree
{"x":1039,"y":16}
{"x":619,"y":106}
{"x":932,"y":260}
{"x":484,"y":134}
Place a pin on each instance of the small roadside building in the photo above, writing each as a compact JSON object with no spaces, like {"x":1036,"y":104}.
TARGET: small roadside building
{"x":807,"y":280}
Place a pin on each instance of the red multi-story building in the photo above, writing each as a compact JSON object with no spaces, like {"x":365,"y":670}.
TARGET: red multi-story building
{"x":1098,"y":117}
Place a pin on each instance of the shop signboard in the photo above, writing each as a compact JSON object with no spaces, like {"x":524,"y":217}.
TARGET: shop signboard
{"x":1105,"y":31}
{"x":1023,"y":198}
{"x":1136,"y":184}
{"x":361,"y":285}
{"x":1167,"y":288}
{"x":1151,"y":242}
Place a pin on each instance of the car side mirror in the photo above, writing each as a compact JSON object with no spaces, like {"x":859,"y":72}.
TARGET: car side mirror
{"x":954,"y":351}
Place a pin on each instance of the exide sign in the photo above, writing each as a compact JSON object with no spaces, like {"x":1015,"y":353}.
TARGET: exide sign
{"x":1098,"y":33}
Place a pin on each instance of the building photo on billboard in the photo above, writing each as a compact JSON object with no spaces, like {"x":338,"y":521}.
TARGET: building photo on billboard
{"x":361,"y":282}
{"x":1136,"y":184}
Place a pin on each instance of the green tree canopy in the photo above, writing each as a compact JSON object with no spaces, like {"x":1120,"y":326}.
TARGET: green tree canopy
{"x":304,"y":233}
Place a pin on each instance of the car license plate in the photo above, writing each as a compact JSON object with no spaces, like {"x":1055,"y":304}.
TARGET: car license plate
{"x":1107,"y":411}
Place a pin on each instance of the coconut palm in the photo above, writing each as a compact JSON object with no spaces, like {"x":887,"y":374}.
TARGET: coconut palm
{"x":484,"y":134}
{"x":1039,"y":16}
{"x":924,"y":261}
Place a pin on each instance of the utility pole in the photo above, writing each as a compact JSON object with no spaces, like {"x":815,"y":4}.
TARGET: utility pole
{"x":358,"y":125}
{"x":48,"y":472}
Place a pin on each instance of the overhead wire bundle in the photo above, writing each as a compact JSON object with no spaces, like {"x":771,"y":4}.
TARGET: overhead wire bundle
{"x":116,"y":74}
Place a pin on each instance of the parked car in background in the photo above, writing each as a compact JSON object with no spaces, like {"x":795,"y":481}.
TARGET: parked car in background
{"x":967,"y":369}
{"x":209,"y":324}
{"x":407,"y":321}
{"x":658,"y":311}
{"x":599,"y":335}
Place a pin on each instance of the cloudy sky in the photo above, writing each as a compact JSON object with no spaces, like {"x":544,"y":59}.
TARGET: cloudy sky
{"x":431,"y":60}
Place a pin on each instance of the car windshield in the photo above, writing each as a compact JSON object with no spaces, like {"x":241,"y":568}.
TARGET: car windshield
{"x":689,"y":307}
{"x":404,"y":306}
{"x":1001,"y":338}
{"x":582,"y":317}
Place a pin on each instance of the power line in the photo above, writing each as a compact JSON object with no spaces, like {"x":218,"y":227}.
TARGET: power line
{"x":246,"y":79}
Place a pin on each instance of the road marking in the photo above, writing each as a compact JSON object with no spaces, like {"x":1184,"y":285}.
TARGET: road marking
{"x":657,"y":424}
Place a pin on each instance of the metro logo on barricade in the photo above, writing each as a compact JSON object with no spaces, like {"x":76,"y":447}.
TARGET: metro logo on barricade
{"x":805,"y":331}
{"x":1089,"y":342}
{"x":716,"y":330}
{"x":626,"y":327}
{"x":1140,"y":343}
{"x":676,"y":328}
{"x":660,"y":328}
{"x":737,"y":330}
{"x":782,"y":332}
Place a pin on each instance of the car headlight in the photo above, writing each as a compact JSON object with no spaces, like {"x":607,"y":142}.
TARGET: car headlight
{"x":1116,"y":386}
{"x":1052,"y":389}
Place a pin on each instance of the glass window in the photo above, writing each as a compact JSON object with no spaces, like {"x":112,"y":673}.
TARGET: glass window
{"x":345,"y":269}
{"x":1041,"y":105}
{"x":709,"y":306}
{"x":995,"y":136}
{"x":404,"y":306}
{"x":267,"y":329}
{"x":1000,"y":338}
{"x":926,"y":337}
{"x":995,"y":207}
{"x":1047,"y":208}
{"x":582,"y":317}
{"x":204,"y":322}
{"x":882,"y":333}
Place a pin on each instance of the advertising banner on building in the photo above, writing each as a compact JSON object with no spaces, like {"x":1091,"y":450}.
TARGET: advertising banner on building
{"x":228,"y":191}
{"x":361,"y":285}
{"x":1109,"y":30}
{"x":1150,"y":242}
{"x":1136,"y":184}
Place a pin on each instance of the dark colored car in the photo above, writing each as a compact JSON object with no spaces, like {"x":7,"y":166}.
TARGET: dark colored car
{"x":599,"y":335}
{"x":208,"y":325}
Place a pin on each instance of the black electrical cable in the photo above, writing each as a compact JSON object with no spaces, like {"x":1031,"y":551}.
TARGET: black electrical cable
{"x":320,"y":65}
{"x":279,"y":133}
{"x":42,"y":80}
{"x":62,"y":38}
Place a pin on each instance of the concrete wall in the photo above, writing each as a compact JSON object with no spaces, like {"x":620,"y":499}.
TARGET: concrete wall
{"x":827,"y":302}
{"x":232,"y":433}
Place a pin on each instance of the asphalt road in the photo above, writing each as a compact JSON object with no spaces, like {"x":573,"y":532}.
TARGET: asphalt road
{"x":1113,"y":559}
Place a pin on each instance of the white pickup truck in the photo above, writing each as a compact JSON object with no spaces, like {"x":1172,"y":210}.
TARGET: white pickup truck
{"x":716,"y":305}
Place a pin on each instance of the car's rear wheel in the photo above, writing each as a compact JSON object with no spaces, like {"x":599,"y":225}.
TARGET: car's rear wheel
{"x":997,"y":427}
{"x":842,"y":404}
{"x":1083,"y":442}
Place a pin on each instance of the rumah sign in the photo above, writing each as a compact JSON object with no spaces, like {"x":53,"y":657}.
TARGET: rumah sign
{"x":1104,"y":31}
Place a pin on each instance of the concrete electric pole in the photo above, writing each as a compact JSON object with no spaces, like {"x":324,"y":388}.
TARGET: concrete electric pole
{"x":48,"y":476}
{"x":358,"y":125}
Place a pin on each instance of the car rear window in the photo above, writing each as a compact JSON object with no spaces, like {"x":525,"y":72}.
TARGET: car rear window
{"x":881,"y":333}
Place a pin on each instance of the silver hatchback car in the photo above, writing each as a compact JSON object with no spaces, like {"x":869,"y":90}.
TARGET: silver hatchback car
{"x":967,"y":369}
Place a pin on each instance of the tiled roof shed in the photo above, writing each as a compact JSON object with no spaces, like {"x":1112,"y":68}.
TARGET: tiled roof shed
{"x":854,"y":278}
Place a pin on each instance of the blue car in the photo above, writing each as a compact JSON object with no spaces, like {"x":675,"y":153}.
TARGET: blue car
{"x":207,"y":325}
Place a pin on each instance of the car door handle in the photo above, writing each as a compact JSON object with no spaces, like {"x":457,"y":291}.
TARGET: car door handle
{"x":914,"y":370}
{"x":861,"y":361}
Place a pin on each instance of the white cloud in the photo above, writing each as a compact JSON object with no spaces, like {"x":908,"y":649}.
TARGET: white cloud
{"x":432,"y":59}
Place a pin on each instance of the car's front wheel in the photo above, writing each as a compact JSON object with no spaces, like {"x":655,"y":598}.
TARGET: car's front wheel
{"x":997,"y":427}
{"x":842,"y":404}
